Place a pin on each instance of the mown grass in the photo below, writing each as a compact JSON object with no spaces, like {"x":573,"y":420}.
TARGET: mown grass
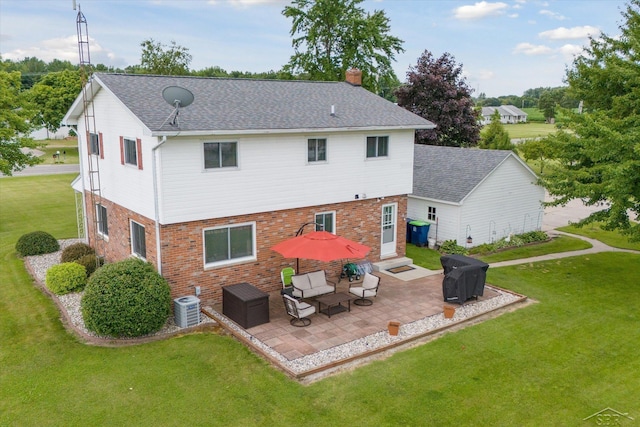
{"x":529,"y":130}
{"x":611,"y":238}
{"x":569,"y":355}
{"x":430,"y":259}
{"x":68,"y":151}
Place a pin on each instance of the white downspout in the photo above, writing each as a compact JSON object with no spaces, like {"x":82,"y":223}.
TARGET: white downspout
{"x":156,"y":204}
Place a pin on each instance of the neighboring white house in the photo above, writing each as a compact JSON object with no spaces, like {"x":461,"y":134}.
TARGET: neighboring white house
{"x":509,"y":114}
{"x":485,"y":194}
{"x":203,"y":192}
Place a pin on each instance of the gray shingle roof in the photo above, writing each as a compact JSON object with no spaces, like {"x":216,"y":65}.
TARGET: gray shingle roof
{"x":504,"y":110}
{"x":245,"y":104}
{"x":450,"y":173}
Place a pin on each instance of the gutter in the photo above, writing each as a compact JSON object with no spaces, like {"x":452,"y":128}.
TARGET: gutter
{"x":156,"y":204}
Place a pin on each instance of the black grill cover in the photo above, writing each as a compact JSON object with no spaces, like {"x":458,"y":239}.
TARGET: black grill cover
{"x":464,"y":278}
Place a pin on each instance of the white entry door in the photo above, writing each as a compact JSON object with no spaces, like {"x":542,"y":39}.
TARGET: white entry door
{"x":388,"y":243}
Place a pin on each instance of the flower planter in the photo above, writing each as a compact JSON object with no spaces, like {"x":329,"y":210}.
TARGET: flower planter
{"x":449,"y":311}
{"x":394,"y":328}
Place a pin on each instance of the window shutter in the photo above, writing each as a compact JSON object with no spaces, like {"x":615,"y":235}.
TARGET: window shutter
{"x":122,"y":150}
{"x":139,"y":152}
{"x":88,"y":143}
{"x":101,"y":145}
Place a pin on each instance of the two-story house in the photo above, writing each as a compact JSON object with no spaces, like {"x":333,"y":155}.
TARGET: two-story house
{"x":205,"y":190}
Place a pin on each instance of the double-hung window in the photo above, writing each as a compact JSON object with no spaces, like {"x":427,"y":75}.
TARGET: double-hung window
{"x":377,"y":146}
{"x":101,"y":217}
{"x":220,"y":155}
{"x":326,"y":221}
{"x":130,"y":152}
{"x":138,"y":240}
{"x":229,"y":244}
{"x":316,"y":150}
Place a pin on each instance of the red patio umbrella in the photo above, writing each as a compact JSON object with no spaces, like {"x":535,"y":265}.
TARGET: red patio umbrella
{"x":321,"y":246}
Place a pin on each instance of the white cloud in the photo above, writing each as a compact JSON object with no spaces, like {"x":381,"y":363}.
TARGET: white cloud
{"x":531,"y":49}
{"x":563,"y":33}
{"x":64,"y":49}
{"x":513,"y":15}
{"x":480,"y":10}
{"x":570,"y":51}
{"x":552,"y":15}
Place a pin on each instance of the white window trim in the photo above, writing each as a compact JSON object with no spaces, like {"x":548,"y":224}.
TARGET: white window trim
{"x":317,"y":162}
{"x":225,"y":168}
{"x":226,"y":263}
{"x":131,"y":237}
{"x":333,"y":219}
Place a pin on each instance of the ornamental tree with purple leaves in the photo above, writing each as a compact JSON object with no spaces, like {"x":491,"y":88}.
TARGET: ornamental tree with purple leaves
{"x":436,"y":90}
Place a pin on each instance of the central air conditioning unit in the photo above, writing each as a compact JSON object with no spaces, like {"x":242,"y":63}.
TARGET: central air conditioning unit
{"x":186,"y":311}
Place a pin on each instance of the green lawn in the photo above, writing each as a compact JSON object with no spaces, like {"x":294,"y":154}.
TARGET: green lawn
{"x":68,"y":150}
{"x":611,"y":238}
{"x":555,"y":362}
{"x":529,"y":130}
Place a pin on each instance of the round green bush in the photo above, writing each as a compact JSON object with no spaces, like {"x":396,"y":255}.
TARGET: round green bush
{"x":451,"y":247}
{"x":126,"y":299}
{"x":90,"y":263}
{"x":76,"y":251}
{"x":66,"y":277}
{"x":36,"y":243}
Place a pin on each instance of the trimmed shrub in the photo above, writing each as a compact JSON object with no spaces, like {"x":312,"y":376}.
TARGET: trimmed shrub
{"x":36,"y":243}
{"x":75,"y":252}
{"x":126,"y":299}
{"x":90,"y":263}
{"x":66,"y":277}
{"x":451,"y":247}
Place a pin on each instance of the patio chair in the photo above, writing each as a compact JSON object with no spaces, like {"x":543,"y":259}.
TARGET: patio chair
{"x":367,"y":289}
{"x":285,"y":276}
{"x":298,"y":310}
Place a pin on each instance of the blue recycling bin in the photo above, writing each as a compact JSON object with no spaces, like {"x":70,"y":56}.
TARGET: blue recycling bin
{"x":419,"y":232}
{"x":409,"y":230}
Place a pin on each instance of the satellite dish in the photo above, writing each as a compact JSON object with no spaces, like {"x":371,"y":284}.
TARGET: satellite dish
{"x":178,"y":97}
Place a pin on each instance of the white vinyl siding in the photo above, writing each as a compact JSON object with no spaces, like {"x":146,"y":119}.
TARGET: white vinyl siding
{"x":275,"y":175}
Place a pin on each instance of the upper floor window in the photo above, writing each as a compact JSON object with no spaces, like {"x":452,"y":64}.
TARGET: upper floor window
{"x":94,"y":144}
{"x":325,"y":221}
{"x":233,"y":243}
{"x":220,"y":155}
{"x":377,"y":146}
{"x":131,"y":152}
{"x":431,"y":213}
{"x":317,"y":149}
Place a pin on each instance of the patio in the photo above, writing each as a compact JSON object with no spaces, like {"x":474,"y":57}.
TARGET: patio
{"x":413,"y":298}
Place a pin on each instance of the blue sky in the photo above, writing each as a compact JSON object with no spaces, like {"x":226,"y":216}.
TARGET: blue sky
{"x":505,"y":47}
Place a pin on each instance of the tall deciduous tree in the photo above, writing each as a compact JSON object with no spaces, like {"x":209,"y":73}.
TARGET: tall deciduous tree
{"x":331,"y":36}
{"x":437,"y":91}
{"x":599,"y":152}
{"x":495,"y":137}
{"x":53,"y":95}
{"x":15,"y":114}
{"x":170,"y":60}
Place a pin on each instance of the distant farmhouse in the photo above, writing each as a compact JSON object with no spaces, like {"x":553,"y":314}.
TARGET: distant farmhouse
{"x":508,"y":114}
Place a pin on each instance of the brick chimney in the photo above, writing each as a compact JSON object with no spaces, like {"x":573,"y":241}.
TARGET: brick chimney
{"x":353,"y":76}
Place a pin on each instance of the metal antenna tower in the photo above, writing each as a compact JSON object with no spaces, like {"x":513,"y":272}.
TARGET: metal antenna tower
{"x":93,"y":145}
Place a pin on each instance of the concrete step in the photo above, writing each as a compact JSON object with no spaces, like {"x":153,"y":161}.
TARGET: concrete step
{"x":391,"y":263}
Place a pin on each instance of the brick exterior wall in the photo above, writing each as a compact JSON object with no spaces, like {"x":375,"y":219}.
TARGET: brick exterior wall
{"x":182,"y":244}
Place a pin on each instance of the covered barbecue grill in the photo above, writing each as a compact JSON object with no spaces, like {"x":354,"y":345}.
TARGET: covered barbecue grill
{"x":464,"y":278}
